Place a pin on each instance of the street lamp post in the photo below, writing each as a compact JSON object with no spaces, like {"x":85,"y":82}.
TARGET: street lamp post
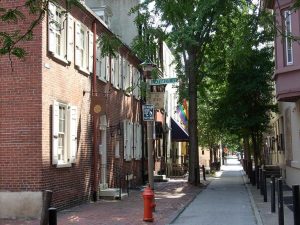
{"x":148,"y":66}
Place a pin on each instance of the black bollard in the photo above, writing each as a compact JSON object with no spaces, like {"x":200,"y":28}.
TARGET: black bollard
{"x":52,"y":216}
{"x":265,"y":186}
{"x":296,"y":204}
{"x":203,"y":171}
{"x":261,"y":185}
{"x":257,"y":176}
{"x":272,"y":182}
{"x":280,"y":203}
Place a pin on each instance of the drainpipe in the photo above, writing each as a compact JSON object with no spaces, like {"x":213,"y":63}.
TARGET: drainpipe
{"x":95,"y":120}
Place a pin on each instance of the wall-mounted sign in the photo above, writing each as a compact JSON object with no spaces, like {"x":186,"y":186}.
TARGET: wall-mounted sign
{"x":97,"y":106}
{"x":157,"y":99}
{"x":148,"y":112}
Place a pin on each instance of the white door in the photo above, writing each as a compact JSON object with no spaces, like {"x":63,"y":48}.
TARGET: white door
{"x":103,"y":153}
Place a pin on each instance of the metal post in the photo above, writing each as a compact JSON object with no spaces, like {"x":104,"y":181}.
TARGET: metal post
{"x":280,"y":203}
{"x":52,"y":216}
{"x":260,"y":181}
{"x":272,"y":182}
{"x":150,"y":156}
{"x":296,"y":204}
{"x":203,"y":171}
{"x":265,"y":186}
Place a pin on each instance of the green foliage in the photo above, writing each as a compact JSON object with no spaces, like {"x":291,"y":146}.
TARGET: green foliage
{"x":109,"y":45}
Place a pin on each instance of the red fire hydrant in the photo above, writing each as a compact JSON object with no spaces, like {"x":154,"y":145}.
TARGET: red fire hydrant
{"x":148,"y":196}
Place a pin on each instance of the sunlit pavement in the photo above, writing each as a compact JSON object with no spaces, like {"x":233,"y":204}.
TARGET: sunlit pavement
{"x":224,"y":202}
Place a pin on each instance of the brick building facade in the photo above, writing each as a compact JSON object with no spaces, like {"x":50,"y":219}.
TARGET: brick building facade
{"x":46,"y":128}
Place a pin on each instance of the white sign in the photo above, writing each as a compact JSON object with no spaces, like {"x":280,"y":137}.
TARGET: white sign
{"x":157,"y":99}
{"x":148,"y":112}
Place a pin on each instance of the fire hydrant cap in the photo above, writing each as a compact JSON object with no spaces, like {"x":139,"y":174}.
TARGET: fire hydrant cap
{"x":148,"y":192}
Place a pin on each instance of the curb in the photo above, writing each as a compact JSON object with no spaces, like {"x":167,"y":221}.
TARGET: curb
{"x":253,"y":205}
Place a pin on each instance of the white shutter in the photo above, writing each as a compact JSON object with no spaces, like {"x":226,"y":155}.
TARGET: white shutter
{"x":113,"y":81}
{"x":70,"y":38}
{"x":121,"y":72}
{"x":138,"y":141}
{"x":72,"y":136}
{"x":91,"y":53}
{"x":129,"y":73}
{"x":125,"y":139}
{"x":107,"y":68}
{"x":51,"y":27}
{"x":131,"y":141}
{"x":98,"y":60}
{"x":55,"y":129}
{"x":77,"y":43}
{"x":118,"y":71}
{"x":135,"y":131}
{"x":124,"y":74}
{"x":139,"y":84}
{"x":134,"y":82}
{"x":102,"y":67}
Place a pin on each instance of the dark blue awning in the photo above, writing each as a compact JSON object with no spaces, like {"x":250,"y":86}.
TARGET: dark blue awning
{"x":178,"y":133}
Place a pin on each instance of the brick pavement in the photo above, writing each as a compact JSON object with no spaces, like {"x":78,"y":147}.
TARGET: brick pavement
{"x":171,"y":198}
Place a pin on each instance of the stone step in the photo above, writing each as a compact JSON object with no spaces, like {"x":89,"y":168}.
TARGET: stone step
{"x":111,"y":193}
{"x":160,"y":178}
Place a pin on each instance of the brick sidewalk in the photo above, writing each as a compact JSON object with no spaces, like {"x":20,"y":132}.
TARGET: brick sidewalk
{"x":171,"y":197}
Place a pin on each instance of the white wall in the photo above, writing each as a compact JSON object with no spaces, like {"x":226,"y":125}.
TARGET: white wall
{"x":14,"y":205}
{"x":122,"y":24}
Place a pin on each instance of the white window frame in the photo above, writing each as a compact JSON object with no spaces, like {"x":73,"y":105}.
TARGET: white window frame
{"x":83,"y":48}
{"x":288,"y":41}
{"x":102,"y":64}
{"x":128,"y":139}
{"x":65,"y":155}
{"x":60,"y":33}
{"x":115,"y":71}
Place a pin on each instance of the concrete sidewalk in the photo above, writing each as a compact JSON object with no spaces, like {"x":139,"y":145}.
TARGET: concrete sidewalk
{"x":171,"y":198}
{"x":224,"y":202}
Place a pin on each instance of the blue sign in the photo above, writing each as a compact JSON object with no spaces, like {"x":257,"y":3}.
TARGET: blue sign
{"x":148,"y":112}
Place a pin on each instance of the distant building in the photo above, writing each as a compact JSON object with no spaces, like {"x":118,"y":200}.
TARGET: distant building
{"x":116,"y":14}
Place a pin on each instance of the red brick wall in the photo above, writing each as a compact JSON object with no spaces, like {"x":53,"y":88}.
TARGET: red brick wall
{"x":20,"y":111}
{"x":26,"y":98}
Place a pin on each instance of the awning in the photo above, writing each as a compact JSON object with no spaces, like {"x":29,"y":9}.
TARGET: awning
{"x":178,"y":133}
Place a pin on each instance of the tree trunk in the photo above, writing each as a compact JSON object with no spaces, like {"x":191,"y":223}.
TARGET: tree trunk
{"x":255,"y":150}
{"x":194,"y":173}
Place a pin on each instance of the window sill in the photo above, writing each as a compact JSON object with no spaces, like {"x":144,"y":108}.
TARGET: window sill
{"x":83,"y":70}
{"x":64,"y":165}
{"x":60,"y":58}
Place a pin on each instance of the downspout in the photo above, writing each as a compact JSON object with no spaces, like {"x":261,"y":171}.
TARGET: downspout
{"x":95,"y":119}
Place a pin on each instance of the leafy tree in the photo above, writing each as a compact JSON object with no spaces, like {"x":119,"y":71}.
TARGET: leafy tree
{"x":189,"y":28}
{"x":247,"y":102}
